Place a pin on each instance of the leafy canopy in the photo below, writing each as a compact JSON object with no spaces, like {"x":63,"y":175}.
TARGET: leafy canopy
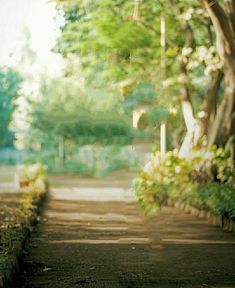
{"x":10,"y":82}
{"x":67,"y":111}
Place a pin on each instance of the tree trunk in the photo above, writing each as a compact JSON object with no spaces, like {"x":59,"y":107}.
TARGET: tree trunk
{"x":208,"y":108}
{"x":193,"y":129}
{"x":223,"y":22}
{"x":190,"y":122}
{"x":223,"y":126}
{"x":186,"y":102}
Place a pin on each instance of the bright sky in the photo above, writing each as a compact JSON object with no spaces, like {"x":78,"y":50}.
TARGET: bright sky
{"x":38,"y":17}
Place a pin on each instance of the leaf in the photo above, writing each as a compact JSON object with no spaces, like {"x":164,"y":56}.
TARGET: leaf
{"x":47,"y":269}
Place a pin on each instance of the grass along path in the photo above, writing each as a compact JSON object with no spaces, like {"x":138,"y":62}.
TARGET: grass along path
{"x":95,"y":236}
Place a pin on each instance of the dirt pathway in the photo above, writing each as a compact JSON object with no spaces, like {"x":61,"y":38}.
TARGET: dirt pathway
{"x":95,"y":236}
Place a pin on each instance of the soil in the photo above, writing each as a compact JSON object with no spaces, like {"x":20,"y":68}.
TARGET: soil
{"x":9,"y":203}
{"x":9,"y":196}
{"x":94,"y":235}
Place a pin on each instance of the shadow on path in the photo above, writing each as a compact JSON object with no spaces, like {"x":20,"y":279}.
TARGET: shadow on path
{"x":95,"y":237}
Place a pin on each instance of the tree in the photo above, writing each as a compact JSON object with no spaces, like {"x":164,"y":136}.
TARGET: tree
{"x":67,"y":113}
{"x":105,"y":42}
{"x":10,"y":82}
{"x":110,"y":42}
{"x":223,"y":19}
{"x":194,"y":57}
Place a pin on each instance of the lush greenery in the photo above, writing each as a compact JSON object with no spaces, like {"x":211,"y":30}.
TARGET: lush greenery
{"x":10,"y":82}
{"x":33,"y":182}
{"x":79,"y":130}
{"x":118,"y":57}
{"x":89,"y":160}
{"x":33,"y":177}
{"x":120,"y":40}
{"x":205,"y":179}
{"x":65,"y":111}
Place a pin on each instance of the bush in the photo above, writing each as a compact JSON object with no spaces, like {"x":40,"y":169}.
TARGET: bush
{"x":33,"y":176}
{"x":91,"y":160}
{"x":68,"y":167}
{"x":205,"y":180}
{"x":214,"y":197}
{"x":14,"y":232}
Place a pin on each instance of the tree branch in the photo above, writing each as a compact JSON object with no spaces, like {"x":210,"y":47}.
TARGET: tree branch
{"x":230,"y":11}
{"x":222,"y":26}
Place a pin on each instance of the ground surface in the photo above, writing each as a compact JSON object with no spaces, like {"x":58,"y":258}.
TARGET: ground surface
{"x":9,"y":197}
{"x":93,"y":235}
{"x":8,"y":205}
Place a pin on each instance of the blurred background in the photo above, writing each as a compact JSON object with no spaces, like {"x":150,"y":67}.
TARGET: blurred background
{"x":88,"y":88}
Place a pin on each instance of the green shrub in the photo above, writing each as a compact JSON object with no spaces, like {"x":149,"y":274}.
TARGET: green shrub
{"x":69,"y":167}
{"x":33,"y":182}
{"x":91,"y":160}
{"x":205,"y":179}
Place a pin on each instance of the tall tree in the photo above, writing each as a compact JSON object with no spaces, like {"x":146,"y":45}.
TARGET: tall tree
{"x":9,"y":91}
{"x":223,"y":19}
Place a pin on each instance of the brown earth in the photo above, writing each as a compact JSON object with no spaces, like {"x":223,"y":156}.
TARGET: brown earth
{"x":9,"y":197}
{"x":90,"y":237}
{"x":9,"y":203}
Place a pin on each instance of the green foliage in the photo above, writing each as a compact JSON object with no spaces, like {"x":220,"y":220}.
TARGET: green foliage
{"x":118,"y":157}
{"x":142,"y":93}
{"x":10,"y":82}
{"x":157,"y":114}
{"x":88,"y":160}
{"x":66,"y":111}
{"x":31,"y":173}
{"x":108,"y":41}
{"x":100,"y":35}
{"x":143,"y":121}
{"x":8,"y":236}
{"x":50,"y":159}
{"x":68,"y":167}
{"x":205,"y":179}
{"x":215,"y":197}
{"x":14,"y":231}
{"x":101,"y":38}
{"x":140,"y":134}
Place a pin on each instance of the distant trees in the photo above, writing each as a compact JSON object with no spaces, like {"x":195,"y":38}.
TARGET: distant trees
{"x":10,"y":82}
{"x":66,"y":112}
